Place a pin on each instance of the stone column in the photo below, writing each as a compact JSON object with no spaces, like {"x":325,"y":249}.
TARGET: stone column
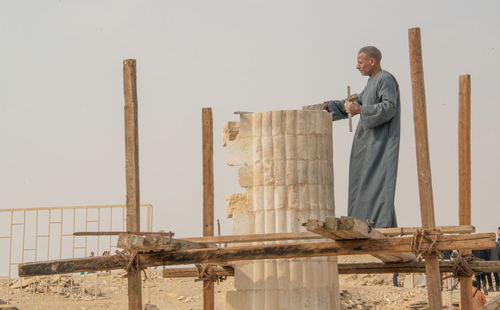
{"x":286,"y":167}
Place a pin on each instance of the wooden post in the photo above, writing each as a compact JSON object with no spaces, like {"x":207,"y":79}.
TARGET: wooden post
{"x":464,"y":157}
{"x":423,"y":164}
{"x":464,"y":176}
{"x":132,"y":173}
{"x":208,"y":195}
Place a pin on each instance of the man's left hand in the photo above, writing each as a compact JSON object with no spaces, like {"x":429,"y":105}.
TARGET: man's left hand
{"x":352,"y":107}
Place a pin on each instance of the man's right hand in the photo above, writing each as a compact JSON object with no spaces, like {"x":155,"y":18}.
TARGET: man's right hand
{"x":325,"y":107}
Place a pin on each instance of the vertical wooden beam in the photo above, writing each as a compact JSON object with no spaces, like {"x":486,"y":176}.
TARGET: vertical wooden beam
{"x":464,"y":151}
{"x":464,"y":176}
{"x":132,"y":173}
{"x":423,"y":163}
{"x":208,"y":195}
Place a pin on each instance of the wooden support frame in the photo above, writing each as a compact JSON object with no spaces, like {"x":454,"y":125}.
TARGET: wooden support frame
{"x":255,"y":252}
{"x":376,"y":245}
{"x":132,"y":173}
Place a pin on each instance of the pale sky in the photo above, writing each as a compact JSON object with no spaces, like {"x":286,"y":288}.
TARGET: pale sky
{"x":61,"y":95}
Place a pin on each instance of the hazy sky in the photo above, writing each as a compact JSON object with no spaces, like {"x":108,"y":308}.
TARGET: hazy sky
{"x":61,"y":95}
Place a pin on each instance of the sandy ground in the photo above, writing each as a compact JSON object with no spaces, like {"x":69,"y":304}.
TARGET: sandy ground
{"x":108,"y":291}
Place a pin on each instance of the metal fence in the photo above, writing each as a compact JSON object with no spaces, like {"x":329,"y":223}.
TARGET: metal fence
{"x":39,"y":234}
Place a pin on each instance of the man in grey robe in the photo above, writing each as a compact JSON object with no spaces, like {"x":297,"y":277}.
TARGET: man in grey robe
{"x":375,"y":148}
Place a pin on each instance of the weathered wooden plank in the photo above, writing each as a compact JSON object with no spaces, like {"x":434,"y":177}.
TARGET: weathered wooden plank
{"x":348,"y":228}
{"x":393,"y":257}
{"x":318,"y":227}
{"x":255,"y":238}
{"x":208,"y":195}
{"x":424,"y":163}
{"x":342,"y":228}
{"x":71,"y":265}
{"x":402,"y":231}
{"x":464,"y":151}
{"x":253,"y":252}
{"x":208,"y":172}
{"x":399,"y":231}
{"x":412,"y":267}
{"x":464,"y":176}
{"x":116,"y":233}
{"x":191,"y":272}
{"x":144,"y":243}
{"x":355,"y":268}
{"x":132,"y":173}
{"x":131,"y":145}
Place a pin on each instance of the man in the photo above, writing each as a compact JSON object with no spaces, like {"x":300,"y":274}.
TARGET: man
{"x":375,"y":148}
{"x":495,"y":256}
{"x":483,"y":278}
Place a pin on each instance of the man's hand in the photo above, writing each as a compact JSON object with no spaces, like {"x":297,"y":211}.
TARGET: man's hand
{"x":325,"y":107}
{"x":352,"y":107}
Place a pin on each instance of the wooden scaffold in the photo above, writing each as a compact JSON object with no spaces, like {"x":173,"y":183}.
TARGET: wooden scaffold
{"x":396,"y":247}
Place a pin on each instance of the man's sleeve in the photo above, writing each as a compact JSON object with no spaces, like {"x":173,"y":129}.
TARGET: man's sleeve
{"x":336,"y":108}
{"x":377,"y":114}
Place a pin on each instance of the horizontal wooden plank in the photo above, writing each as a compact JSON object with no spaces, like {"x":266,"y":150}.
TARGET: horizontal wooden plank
{"x":116,"y":233}
{"x":253,"y":252}
{"x":404,"y":231}
{"x":412,"y":267}
{"x":134,"y":242}
{"x":355,"y":268}
{"x":350,"y":228}
{"x":306,"y":235}
{"x":256,"y":238}
{"x":191,"y":272}
{"x":331,"y":228}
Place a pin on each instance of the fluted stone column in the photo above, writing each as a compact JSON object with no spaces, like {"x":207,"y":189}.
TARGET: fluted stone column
{"x":286,"y":167}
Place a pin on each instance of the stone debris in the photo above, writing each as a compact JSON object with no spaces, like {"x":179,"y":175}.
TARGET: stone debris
{"x":93,"y":290}
{"x":151,"y":307}
{"x":376,"y":291}
{"x":347,"y":301}
{"x":419,"y":305}
{"x":75,"y":288}
{"x":185,"y":299}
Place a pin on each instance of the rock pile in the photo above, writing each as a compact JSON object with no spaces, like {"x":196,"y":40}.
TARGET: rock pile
{"x":347,"y":302}
{"x":65,"y":286}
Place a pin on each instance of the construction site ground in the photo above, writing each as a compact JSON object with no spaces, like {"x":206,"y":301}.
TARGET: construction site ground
{"x":108,"y":291}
